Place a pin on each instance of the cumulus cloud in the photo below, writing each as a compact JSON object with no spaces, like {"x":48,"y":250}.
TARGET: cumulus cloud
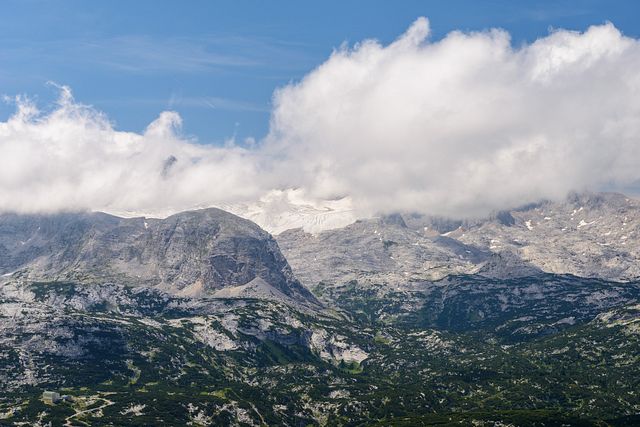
{"x":460,"y":127}
{"x":72,"y":158}
{"x":466,"y":124}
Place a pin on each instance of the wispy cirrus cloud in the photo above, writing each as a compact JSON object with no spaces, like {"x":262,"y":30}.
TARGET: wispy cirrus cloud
{"x":176,"y":101}
{"x":145,"y":54}
{"x":216,"y":103}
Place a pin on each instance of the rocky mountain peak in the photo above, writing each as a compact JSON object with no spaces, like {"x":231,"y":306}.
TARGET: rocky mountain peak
{"x":191,"y":253}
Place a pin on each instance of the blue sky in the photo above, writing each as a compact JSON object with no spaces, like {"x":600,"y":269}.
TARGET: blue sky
{"x":217,"y":63}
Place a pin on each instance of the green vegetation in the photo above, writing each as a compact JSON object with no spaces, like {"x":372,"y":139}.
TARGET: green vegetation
{"x":438,"y":365}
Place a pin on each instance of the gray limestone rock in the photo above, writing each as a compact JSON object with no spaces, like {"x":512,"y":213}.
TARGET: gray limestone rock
{"x":192,"y":253}
{"x":587,"y":235}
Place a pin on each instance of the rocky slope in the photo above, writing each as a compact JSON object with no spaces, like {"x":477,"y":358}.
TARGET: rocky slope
{"x":465,"y":351}
{"x":192,"y":253}
{"x":588,"y":235}
{"x":382,"y":250}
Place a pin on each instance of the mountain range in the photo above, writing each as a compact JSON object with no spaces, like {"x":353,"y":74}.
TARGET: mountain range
{"x":587,"y":235}
{"x":528,"y":317}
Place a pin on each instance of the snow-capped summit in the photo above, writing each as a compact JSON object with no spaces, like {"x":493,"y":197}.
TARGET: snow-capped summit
{"x":281,"y":210}
{"x":275,"y":212}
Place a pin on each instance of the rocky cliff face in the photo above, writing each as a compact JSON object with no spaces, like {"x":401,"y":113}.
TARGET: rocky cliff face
{"x":191,"y":253}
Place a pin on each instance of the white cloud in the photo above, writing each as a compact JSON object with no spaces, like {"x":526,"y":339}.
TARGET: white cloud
{"x":460,"y":126}
{"x":466,"y":124}
{"x":72,"y":158}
